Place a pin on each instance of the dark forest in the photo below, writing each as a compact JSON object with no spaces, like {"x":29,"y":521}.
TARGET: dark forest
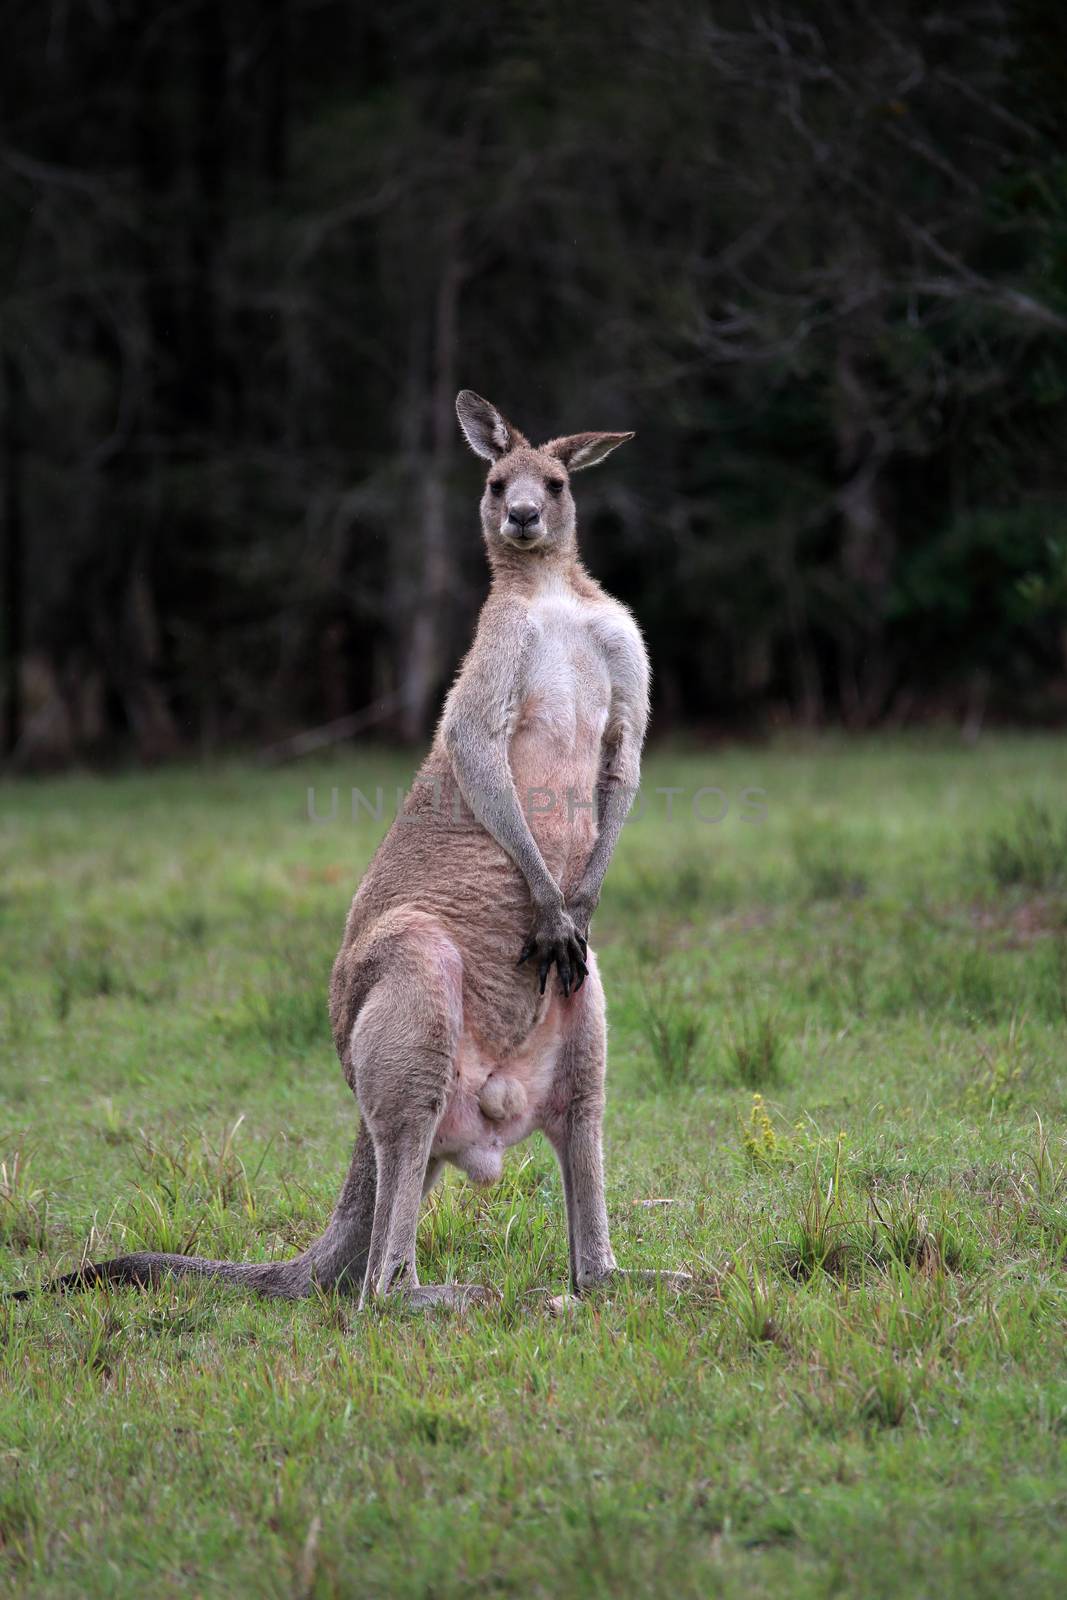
{"x":815,"y":254}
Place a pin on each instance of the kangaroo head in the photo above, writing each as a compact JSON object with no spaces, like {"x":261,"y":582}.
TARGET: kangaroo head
{"x":527,"y":504}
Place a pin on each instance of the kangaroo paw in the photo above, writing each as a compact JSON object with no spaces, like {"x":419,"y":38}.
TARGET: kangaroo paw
{"x":618,"y":1277}
{"x":450,"y":1296}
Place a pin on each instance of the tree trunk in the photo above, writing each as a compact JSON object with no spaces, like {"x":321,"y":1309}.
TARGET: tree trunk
{"x":14,"y":548}
{"x":207,"y":214}
{"x":868,"y":543}
{"x":424,"y":666}
{"x":276,"y":119}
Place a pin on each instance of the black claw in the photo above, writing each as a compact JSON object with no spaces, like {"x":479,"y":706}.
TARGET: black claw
{"x":585,"y":946}
{"x":565,"y":979}
{"x":527,"y":952}
{"x":544,"y":971}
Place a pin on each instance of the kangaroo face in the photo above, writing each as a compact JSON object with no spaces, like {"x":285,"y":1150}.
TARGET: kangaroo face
{"x":527,"y":502}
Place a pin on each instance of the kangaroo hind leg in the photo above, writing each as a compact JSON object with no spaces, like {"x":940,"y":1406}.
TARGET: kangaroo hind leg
{"x":576,"y":1136}
{"x":403,"y":1067}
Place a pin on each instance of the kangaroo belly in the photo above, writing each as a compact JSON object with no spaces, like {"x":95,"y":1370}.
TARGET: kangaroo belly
{"x":555,"y":760}
{"x":557,"y":789}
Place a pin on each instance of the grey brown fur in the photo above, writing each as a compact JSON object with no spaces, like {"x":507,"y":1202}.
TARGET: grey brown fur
{"x":454,"y":1034}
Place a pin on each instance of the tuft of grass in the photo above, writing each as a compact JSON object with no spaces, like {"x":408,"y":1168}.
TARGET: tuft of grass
{"x":1039,"y":1193}
{"x":84,"y":967}
{"x":20,"y":1518}
{"x":16,"y":1017}
{"x":756,"y":1305}
{"x":195,"y":1196}
{"x":755,"y":1048}
{"x":434,"y":1423}
{"x":1049,"y":1173}
{"x":822,"y":1236}
{"x":23,"y":1207}
{"x":112,"y":1127}
{"x":887,"y":1390}
{"x":95,"y":1334}
{"x":824,"y":867}
{"x":189,"y":924}
{"x":674,"y":1025}
{"x":1030,"y":851}
{"x":284,"y":1010}
{"x":996,"y":1083}
{"x":901,"y":1230}
{"x":683,"y":885}
{"x":212,"y":1172}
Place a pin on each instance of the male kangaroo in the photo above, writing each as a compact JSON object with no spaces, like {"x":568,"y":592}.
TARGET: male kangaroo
{"x":450,"y":1035}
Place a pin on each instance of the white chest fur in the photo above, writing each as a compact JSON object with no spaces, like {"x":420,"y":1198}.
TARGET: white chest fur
{"x":567,"y":685}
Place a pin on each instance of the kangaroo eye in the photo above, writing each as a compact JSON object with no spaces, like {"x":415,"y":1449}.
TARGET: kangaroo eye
{"x":496,"y":486}
{"x":555,"y":485}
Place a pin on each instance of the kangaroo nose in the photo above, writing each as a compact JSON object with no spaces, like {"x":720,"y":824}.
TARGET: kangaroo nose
{"x":523,"y":513}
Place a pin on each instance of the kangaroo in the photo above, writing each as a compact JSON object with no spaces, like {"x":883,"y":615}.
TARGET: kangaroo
{"x":453,"y":1039}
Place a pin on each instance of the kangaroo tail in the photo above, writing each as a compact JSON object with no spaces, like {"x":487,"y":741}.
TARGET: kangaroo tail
{"x":338,"y":1259}
{"x":287,"y":1280}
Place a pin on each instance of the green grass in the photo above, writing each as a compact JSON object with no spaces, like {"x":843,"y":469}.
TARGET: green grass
{"x":837,"y":1095}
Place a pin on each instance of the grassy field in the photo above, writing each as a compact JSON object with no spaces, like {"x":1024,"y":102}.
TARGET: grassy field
{"x":837,"y":1095}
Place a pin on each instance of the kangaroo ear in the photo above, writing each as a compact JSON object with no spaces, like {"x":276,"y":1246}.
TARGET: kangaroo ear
{"x":579,"y":450}
{"x":486,"y":430}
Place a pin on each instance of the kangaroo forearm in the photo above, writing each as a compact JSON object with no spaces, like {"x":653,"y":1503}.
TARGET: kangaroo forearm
{"x":614,"y":802}
{"x":489,"y":791}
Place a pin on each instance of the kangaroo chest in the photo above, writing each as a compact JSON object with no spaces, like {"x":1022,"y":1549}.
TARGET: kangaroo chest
{"x":565,"y":693}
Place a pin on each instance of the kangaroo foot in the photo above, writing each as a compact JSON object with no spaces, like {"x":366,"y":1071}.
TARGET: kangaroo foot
{"x":452,"y":1296}
{"x":619,"y":1277}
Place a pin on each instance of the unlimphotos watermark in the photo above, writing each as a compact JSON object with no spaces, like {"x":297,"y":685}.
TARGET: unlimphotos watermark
{"x":427,"y":803}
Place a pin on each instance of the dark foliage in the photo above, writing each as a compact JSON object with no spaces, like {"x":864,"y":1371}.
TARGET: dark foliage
{"x":814,"y":253}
